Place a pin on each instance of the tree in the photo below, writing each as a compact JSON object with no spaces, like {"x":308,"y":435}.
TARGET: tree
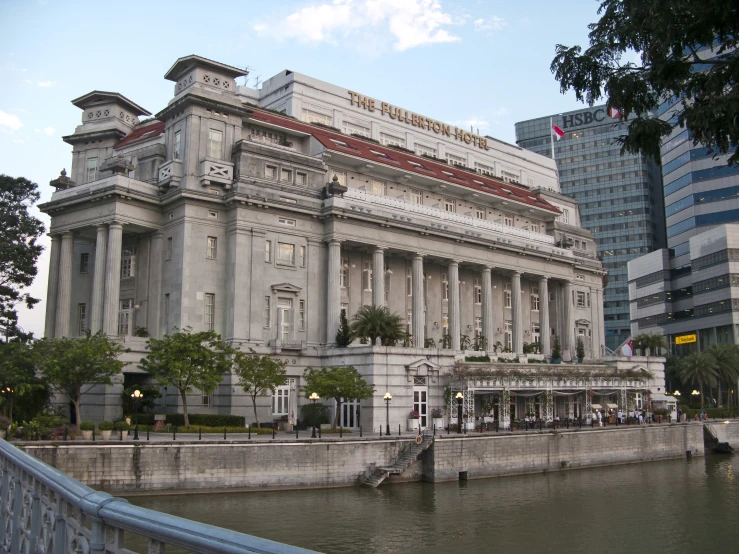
{"x":340,"y":383}
{"x":19,"y":251}
{"x":668,"y":37}
{"x":68,"y":364}
{"x":372,"y":322}
{"x":649,"y":343}
{"x":726,"y":365}
{"x":258,"y":374}
{"x":343,"y":335}
{"x":17,"y":374}
{"x":185,"y":360}
{"x":698,"y":367}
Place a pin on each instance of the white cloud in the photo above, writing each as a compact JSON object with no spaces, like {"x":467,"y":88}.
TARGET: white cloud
{"x":487,"y":26}
{"x":46,"y":84}
{"x":18,"y":141}
{"x":49,"y":131}
{"x":9,"y":120}
{"x":411,"y":23}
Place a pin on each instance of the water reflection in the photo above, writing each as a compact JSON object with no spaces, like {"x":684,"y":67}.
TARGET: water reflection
{"x":671,"y":506}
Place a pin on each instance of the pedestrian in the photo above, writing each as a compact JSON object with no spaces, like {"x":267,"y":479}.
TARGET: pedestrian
{"x":600,"y":418}
{"x":641,"y":417}
{"x":620,"y":416}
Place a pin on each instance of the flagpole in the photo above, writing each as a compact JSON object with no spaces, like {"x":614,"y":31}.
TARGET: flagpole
{"x":551,"y":136}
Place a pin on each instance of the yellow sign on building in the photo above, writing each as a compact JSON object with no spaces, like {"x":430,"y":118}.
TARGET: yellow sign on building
{"x":686,"y":339}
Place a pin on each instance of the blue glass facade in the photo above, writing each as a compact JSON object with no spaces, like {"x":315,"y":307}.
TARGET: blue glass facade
{"x":620,"y":197}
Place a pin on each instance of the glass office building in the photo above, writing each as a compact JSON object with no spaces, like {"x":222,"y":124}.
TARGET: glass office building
{"x":620,"y":197}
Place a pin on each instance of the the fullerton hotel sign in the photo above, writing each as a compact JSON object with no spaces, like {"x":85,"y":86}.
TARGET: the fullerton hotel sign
{"x":415,"y":120}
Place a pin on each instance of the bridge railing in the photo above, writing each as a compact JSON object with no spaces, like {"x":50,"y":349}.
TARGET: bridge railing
{"x":42,"y":510}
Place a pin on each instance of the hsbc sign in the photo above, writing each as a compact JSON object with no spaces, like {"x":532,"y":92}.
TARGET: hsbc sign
{"x":578,"y":119}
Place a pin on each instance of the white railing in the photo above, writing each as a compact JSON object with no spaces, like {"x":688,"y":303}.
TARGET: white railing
{"x":441,"y":216}
{"x":170,"y":172}
{"x":116,"y":180}
{"x":271,"y":142}
{"x":42,"y":510}
{"x":212,"y":171}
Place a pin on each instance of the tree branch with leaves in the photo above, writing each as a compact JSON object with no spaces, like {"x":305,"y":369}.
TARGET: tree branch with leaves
{"x":258,"y":374}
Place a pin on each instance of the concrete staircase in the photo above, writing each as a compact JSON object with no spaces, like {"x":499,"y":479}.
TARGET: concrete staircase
{"x":407,"y":455}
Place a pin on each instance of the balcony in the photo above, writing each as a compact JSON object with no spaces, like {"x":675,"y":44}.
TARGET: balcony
{"x":406,"y":212}
{"x":170,"y":174}
{"x":281,"y":144}
{"x":216,"y":172}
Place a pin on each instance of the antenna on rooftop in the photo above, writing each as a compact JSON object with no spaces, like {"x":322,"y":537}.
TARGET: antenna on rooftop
{"x":256,"y":84}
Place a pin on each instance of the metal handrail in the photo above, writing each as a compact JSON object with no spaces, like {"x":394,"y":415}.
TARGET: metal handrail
{"x":109,"y":511}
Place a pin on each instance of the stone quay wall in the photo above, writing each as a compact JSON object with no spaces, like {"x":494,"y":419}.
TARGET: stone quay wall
{"x":186,"y":467}
{"x":726,"y":431}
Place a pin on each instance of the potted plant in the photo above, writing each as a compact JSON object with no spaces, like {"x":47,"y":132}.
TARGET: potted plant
{"x":106,"y":428}
{"x":437,"y":416}
{"x":121,"y":426}
{"x":412,"y":421}
{"x":4,"y":424}
{"x":580,"y":350}
{"x":556,"y":352}
{"x":87,"y":427}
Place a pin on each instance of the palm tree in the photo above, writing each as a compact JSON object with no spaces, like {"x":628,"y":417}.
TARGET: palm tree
{"x":655,"y":343}
{"x":672,"y":372}
{"x":371,"y":322}
{"x":698,"y":367}
{"x":726,"y":357}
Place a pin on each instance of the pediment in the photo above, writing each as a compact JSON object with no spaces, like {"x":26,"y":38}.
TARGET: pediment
{"x":286,"y":287}
{"x":582,"y":322}
{"x":421,"y":362}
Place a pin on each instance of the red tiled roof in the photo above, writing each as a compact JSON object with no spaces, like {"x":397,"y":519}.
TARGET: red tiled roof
{"x":143,"y":132}
{"x":411,"y":163}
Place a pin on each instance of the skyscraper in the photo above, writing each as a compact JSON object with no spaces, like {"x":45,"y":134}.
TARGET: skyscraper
{"x":620,"y":197}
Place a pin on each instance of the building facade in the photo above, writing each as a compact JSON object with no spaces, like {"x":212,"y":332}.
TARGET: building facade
{"x":220,"y":214}
{"x":620,"y":197}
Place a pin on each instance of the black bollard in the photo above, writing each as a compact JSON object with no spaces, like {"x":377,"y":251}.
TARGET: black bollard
{"x":93,"y":435}
{"x":296,"y":431}
{"x":224,"y":433}
{"x":249,"y":431}
{"x":449,"y":428}
{"x":481,"y":427}
{"x":434,"y":429}
{"x":147,"y":431}
{"x":65,"y":432}
{"x":200,"y":433}
{"x":398,"y":429}
{"x":174,"y":433}
{"x":121,"y":434}
{"x":380,"y":430}
{"x":340,"y":432}
{"x":319,"y":432}
{"x":273,"y":431}
{"x":360,"y":432}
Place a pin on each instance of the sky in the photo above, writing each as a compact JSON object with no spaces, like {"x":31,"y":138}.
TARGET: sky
{"x":468,"y":63}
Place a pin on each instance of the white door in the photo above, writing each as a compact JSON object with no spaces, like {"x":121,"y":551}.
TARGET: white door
{"x":420,"y":404}
{"x":285,"y":305}
{"x":349,"y":416}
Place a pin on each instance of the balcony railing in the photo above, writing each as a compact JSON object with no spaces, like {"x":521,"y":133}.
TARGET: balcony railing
{"x":272,"y":142}
{"x":170,"y":173}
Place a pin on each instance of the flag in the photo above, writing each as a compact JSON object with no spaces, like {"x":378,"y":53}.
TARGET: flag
{"x":557,"y":131}
{"x":614,"y":113}
{"x":627,"y":349}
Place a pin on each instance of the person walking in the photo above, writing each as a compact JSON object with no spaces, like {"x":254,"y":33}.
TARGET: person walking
{"x":620,"y":416}
{"x":600,"y":418}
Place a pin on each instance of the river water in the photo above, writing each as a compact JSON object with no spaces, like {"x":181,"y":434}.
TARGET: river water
{"x":670,"y":506}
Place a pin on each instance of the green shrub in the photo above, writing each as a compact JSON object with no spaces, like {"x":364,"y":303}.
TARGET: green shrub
{"x":477,"y":358}
{"x":323,"y":414}
{"x":105,"y":425}
{"x":713,"y":413}
{"x":87,"y":426}
{"x":206,"y":420}
{"x":121,"y":426}
{"x":49,"y":420}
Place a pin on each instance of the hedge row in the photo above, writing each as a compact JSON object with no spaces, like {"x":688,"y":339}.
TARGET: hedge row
{"x":206,"y":420}
{"x":713,"y":413}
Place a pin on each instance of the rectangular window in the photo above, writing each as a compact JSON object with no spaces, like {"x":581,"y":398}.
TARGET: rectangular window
{"x":286,"y":175}
{"x":268,"y":251}
{"x":301,"y":315}
{"x":206,"y":398}
{"x":215,"y":144}
{"x":81,"y":319}
{"x":444,"y":324}
{"x":210,"y":311}
{"x":508,"y":220}
{"x":176,"y":153}
{"x":281,"y":400}
{"x":166,"y":313}
{"x":409,"y":281}
{"x":535,"y":227}
{"x":445,"y":286}
{"x":416,"y":196}
{"x":84,"y":262}
{"x":479,"y":212}
{"x":128,"y":262}
{"x":285,"y":221}
{"x":507,"y":295}
{"x":580,"y":299}
{"x":456,"y":160}
{"x":302,"y":256}
{"x":270,"y":172}
{"x":285,"y":253}
{"x":390,"y":140}
{"x":478,"y":327}
{"x":535,"y":299}
{"x":92,"y":169}
{"x":483,"y":169}
{"x":510,"y":177}
{"x":301,"y":178}
{"x":284,"y":318}
{"x":351,"y":128}
{"x":267,"y":311}
{"x":565,"y":217}
{"x":125,"y":309}
{"x":377,"y":187}
{"x":449,"y":205}
{"x":344,"y":273}
{"x":423,"y":150}
{"x":508,"y":335}
{"x":169,"y":248}
{"x":478,"y":291}
{"x":309,"y":116}
{"x":212,"y":248}
{"x":367,"y":275}
{"x":588,"y":299}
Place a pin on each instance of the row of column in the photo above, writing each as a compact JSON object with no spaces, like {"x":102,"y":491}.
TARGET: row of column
{"x":103,"y":315}
{"x":333,"y":304}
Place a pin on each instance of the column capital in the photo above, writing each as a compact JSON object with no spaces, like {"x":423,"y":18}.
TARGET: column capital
{"x":333,"y":242}
{"x":515,"y":273}
{"x":66,"y":234}
{"x":380,"y":249}
{"x":115,"y":223}
{"x":418,"y":256}
{"x":543,"y":278}
{"x":451,"y":263}
{"x":487,"y":270}
{"x":102,"y":227}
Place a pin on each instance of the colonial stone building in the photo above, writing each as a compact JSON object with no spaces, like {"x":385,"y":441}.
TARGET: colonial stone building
{"x":219,"y":214}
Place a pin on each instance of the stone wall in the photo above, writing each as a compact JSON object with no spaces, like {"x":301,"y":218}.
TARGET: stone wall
{"x":726,"y":432}
{"x":533,"y":452}
{"x":128,"y":468}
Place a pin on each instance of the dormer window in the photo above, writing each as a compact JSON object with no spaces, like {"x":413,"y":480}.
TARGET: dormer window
{"x":340,"y":143}
{"x":381,"y":154}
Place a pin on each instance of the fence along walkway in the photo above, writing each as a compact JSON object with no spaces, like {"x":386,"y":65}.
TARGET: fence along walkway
{"x":42,"y":510}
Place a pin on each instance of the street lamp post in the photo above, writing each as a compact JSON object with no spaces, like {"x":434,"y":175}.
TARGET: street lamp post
{"x":313,"y":397}
{"x":136,"y":397}
{"x":459,"y":398}
{"x":696,"y":393}
{"x":388,"y":397}
{"x":676,"y":394}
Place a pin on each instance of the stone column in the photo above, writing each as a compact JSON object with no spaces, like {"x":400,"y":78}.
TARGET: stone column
{"x":487,"y":308}
{"x":568,"y":333}
{"x":257,"y":287}
{"x":64,"y":294}
{"x":333,"y":291}
{"x":418,"y":329}
{"x":98,"y":280}
{"x":596,"y":339}
{"x":544,"y":329}
{"x":237,"y":277}
{"x":112,"y":279}
{"x":154,"y":306}
{"x":516,"y":313}
{"x":454,"y":313}
{"x":378,"y":273}
{"x":52,"y":288}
